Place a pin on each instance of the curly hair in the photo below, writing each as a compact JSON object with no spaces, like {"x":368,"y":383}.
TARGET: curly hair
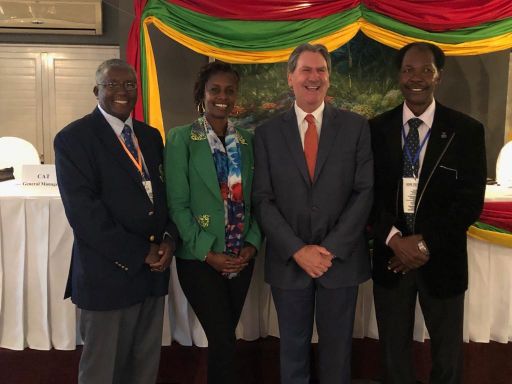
{"x":208,"y":71}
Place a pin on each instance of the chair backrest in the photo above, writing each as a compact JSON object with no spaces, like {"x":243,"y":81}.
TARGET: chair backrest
{"x":14,"y":152}
{"x":504,"y":166}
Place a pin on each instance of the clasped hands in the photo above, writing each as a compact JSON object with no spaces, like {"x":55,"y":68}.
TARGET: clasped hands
{"x":407,"y":255}
{"x":226,"y":264}
{"x":160,"y":255}
{"x":315,"y":260}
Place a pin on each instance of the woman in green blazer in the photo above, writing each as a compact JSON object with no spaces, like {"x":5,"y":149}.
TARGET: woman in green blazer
{"x":209,"y":167}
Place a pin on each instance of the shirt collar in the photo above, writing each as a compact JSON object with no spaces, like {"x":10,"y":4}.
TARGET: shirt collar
{"x":116,"y":124}
{"x":427,"y":117}
{"x":317,"y":113}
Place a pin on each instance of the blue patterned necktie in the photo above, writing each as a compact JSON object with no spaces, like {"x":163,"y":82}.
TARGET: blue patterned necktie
{"x":126,"y":133}
{"x":412,"y":144}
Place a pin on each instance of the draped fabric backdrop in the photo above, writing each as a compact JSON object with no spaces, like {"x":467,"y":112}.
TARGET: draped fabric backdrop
{"x":266,"y":31}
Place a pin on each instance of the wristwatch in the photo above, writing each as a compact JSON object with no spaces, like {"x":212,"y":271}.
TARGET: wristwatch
{"x":423,"y":248}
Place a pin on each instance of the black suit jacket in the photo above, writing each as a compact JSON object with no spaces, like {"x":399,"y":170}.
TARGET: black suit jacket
{"x":110,"y":213}
{"x":331,"y":212}
{"x":449,"y":198}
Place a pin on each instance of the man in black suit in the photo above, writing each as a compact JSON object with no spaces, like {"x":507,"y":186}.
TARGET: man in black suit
{"x":430,"y":173}
{"x":109,"y":171}
{"x":312,"y":194}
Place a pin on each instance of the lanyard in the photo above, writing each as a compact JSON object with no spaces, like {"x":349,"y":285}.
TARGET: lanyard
{"x":138,"y":162}
{"x":417,"y":154}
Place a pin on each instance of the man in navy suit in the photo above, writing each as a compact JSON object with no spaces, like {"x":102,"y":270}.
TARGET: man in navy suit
{"x":430,"y":173}
{"x":109,"y":171}
{"x":312,"y":194}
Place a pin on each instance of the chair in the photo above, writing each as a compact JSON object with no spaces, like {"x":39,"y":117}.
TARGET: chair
{"x":15,"y":152}
{"x":504,"y":166}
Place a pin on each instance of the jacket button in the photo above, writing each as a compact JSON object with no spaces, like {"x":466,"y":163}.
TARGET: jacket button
{"x":152,"y":238}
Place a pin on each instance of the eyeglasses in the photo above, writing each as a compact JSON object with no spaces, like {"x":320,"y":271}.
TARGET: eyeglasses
{"x":128,"y":85}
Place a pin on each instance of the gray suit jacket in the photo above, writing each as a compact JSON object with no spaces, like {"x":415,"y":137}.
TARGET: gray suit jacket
{"x":331,"y":212}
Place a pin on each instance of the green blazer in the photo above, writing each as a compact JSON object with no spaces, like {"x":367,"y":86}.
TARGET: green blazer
{"x":193,"y":192}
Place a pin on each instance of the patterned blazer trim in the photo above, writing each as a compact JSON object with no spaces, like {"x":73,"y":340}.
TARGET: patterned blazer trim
{"x":203,"y":221}
{"x":197,"y":133}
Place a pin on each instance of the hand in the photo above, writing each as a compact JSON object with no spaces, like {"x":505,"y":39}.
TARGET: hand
{"x":406,"y":250}
{"x":247,"y":253}
{"x":225,"y":264}
{"x":396,"y":265}
{"x":314,"y":260}
{"x":165,"y":253}
{"x":152,"y":256}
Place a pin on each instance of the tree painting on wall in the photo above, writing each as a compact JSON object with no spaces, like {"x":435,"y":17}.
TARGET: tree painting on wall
{"x":363,"y":80}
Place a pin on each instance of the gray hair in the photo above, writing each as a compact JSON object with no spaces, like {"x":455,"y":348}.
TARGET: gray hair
{"x":316,"y":48}
{"x":112,"y":63}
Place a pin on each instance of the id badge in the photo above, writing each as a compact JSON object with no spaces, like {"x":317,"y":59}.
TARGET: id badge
{"x":149,"y":189}
{"x":410,"y":187}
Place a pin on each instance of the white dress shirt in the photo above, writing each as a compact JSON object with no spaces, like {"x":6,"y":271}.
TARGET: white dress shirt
{"x":303,"y":124}
{"x":428,"y":118}
{"x":118,"y":126}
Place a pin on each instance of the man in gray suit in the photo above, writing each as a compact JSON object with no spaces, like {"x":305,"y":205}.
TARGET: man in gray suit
{"x":312,"y":195}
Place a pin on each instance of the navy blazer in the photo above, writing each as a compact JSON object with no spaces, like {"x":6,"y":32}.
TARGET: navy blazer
{"x":112,"y":218}
{"x":449,"y":199}
{"x":331,"y":212}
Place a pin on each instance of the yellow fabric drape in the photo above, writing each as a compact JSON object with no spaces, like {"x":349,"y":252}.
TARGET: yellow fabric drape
{"x":396,"y":40}
{"x":154,"y":112}
{"x":503,"y":239}
{"x":332,"y":42}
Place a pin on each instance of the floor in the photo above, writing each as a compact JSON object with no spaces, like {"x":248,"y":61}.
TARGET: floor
{"x":258,"y":363}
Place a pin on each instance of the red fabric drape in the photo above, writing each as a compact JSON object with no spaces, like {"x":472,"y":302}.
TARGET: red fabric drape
{"x":430,"y":15}
{"x":267,"y":9}
{"x":133,"y":54}
{"x":435,"y":15}
{"x":498,"y":214}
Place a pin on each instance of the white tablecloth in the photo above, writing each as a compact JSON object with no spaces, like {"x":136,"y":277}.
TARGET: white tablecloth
{"x":35,"y":252}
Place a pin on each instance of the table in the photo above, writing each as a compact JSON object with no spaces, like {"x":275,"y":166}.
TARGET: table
{"x":35,"y":252}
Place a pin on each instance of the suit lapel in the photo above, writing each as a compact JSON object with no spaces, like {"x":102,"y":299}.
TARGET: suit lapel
{"x":328,"y":135}
{"x":292,"y":138}
{"x":202,"y":159}
{"x":149,"y":152}
{"x":111,"y":143}
{"x":439,"y":138}
{"x":394,"y":142}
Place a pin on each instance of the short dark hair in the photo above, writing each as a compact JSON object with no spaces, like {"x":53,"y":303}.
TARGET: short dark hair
{"x":316,"y":48}
{"x":208,"y":71}
{"x":436,"y":52}
{"x":111,"y":63}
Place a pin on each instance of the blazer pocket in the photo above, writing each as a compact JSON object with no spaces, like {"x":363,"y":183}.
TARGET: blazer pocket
{"x":450,"y":171}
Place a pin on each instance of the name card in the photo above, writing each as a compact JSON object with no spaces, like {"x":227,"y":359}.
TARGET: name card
{"x":39,"y":175}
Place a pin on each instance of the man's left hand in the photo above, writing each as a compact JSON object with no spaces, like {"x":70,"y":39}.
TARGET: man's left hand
{"x":407,"y":255}
{"x":165,"y":252}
